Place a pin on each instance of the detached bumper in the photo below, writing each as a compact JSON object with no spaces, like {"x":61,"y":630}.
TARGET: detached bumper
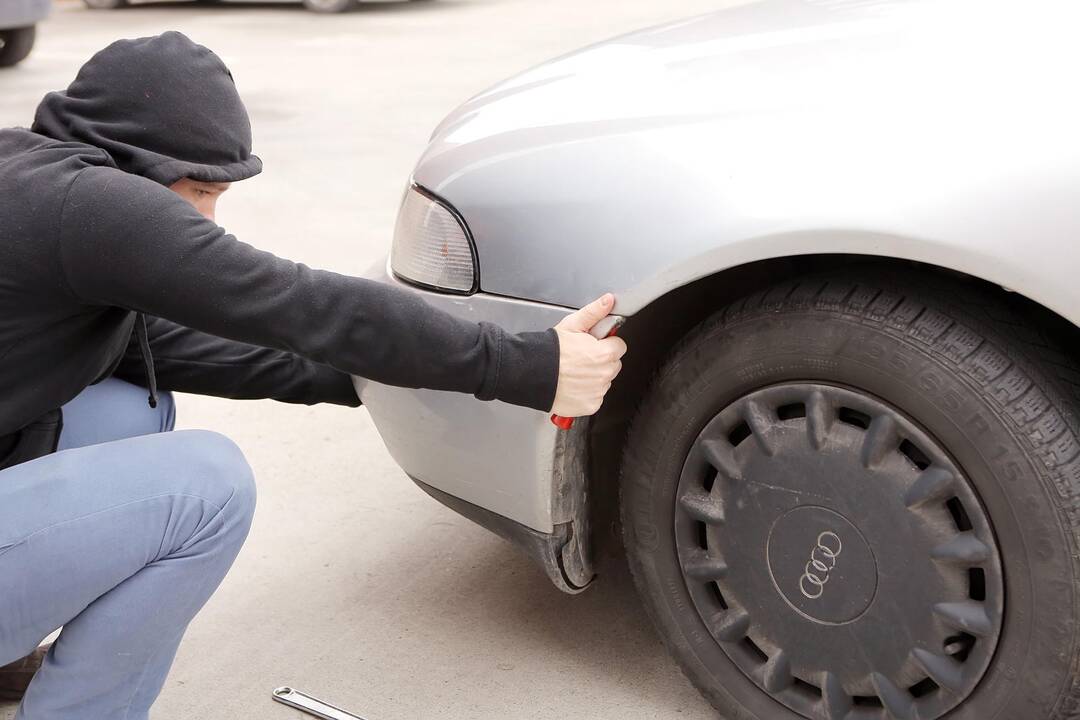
{"x":505,"y":467}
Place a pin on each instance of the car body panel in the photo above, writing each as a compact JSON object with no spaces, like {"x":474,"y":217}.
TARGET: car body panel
{"x":498,"y":456}
{"x":23,"y":13}
{"x":939,"y":132}
{"x":772,"y":129}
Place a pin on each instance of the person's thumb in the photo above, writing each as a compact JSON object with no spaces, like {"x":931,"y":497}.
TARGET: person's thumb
{"x":586,"y":317}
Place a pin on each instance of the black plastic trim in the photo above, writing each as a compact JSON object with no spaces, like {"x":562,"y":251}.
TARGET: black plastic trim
{"x":546,"y":550}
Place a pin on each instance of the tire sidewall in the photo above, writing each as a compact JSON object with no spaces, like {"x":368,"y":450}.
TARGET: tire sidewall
{"x":335,"y":6}
{"x":104,"y":4}
{"x":18,"y":42}
{"x":1034,"y":653}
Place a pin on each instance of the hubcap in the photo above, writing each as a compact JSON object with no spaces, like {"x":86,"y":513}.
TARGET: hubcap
{"x":804,"y":579}
{"x":838,"y":556}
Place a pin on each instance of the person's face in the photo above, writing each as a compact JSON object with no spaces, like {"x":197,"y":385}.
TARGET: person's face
{"x":203,"y":196}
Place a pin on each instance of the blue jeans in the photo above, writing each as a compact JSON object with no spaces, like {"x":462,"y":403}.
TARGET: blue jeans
{"x":120,"y":538}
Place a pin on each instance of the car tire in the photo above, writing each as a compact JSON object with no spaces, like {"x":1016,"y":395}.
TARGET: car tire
{"x":15,"y":44}
{"x":932,"y":430}
{"x":329,"y":6}
{"x":105,"y":4}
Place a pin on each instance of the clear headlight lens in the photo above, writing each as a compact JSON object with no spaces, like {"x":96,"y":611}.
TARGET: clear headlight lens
{"x":432,"y":246}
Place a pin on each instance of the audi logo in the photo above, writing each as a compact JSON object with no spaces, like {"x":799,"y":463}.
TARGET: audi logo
{"x":822,"y":560}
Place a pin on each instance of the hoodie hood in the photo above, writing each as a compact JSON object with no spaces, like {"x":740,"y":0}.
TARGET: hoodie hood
{"x":162,"y":107}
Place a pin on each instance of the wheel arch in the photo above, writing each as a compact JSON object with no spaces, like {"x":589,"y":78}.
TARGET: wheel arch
{"x":654,"y":330}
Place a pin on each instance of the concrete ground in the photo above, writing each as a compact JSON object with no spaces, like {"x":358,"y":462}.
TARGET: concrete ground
{"x":354,"y":585}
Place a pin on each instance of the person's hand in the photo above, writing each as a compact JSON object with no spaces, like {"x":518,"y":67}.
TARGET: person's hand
{"x":586,"y":365}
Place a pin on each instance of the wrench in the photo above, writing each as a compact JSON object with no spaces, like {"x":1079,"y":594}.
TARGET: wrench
{"x":312,"y":706}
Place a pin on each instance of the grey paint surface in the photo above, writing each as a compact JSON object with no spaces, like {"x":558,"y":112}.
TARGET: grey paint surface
{"x":355,"y":585}
{"x":21,"y":13}
{"x":491,"y":454}
{"x":770,"y":129}
{"x":937,"y":131}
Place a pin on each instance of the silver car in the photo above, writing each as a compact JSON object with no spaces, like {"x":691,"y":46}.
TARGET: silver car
{"x":18,"y":28}
{"x":844,"y":452}
{"x":322,"y":6}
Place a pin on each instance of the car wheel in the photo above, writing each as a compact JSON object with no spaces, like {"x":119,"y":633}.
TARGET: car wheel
{"x":329,"y":6}
{"x":104,"y":4}
{"x":15,"y":45}
{"x":857,"y":500}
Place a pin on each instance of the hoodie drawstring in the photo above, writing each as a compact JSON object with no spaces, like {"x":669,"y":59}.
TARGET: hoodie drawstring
{"x":147,"y":357}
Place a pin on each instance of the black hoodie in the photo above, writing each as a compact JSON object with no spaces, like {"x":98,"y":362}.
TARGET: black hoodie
{"x":91,"y":236}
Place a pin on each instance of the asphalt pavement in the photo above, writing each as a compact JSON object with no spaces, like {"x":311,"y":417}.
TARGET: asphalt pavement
{"x":354,"y":585}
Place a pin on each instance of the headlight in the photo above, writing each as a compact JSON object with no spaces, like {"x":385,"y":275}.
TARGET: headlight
{"x":432,"y":245}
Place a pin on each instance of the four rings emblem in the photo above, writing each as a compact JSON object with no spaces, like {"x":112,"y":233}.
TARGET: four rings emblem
{"x":822,"y":560}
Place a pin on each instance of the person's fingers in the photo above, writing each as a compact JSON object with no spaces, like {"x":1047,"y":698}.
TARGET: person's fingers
{"x":586,"y":317}
{"x":599,"y":402}
{"x":588,"y":366}
{"x":616,"y":346}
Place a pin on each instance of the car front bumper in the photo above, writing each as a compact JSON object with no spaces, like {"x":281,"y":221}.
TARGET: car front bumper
{"x":506,"y":468}
{"x":496,"y":456}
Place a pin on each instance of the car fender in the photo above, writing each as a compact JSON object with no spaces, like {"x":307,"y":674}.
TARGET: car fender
{"x":641,"y":164}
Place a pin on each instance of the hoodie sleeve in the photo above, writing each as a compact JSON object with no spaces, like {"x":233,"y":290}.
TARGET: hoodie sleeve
{"x":128,"y":242}
{"x":191,"y":361}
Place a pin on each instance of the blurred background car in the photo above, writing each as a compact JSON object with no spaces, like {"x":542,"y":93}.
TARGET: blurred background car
{"x":322,"y":6}
{"x":18,"y":28}
{"x":844,"y":446}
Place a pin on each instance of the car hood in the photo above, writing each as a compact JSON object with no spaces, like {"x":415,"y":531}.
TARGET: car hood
{"x":752,"y":57}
